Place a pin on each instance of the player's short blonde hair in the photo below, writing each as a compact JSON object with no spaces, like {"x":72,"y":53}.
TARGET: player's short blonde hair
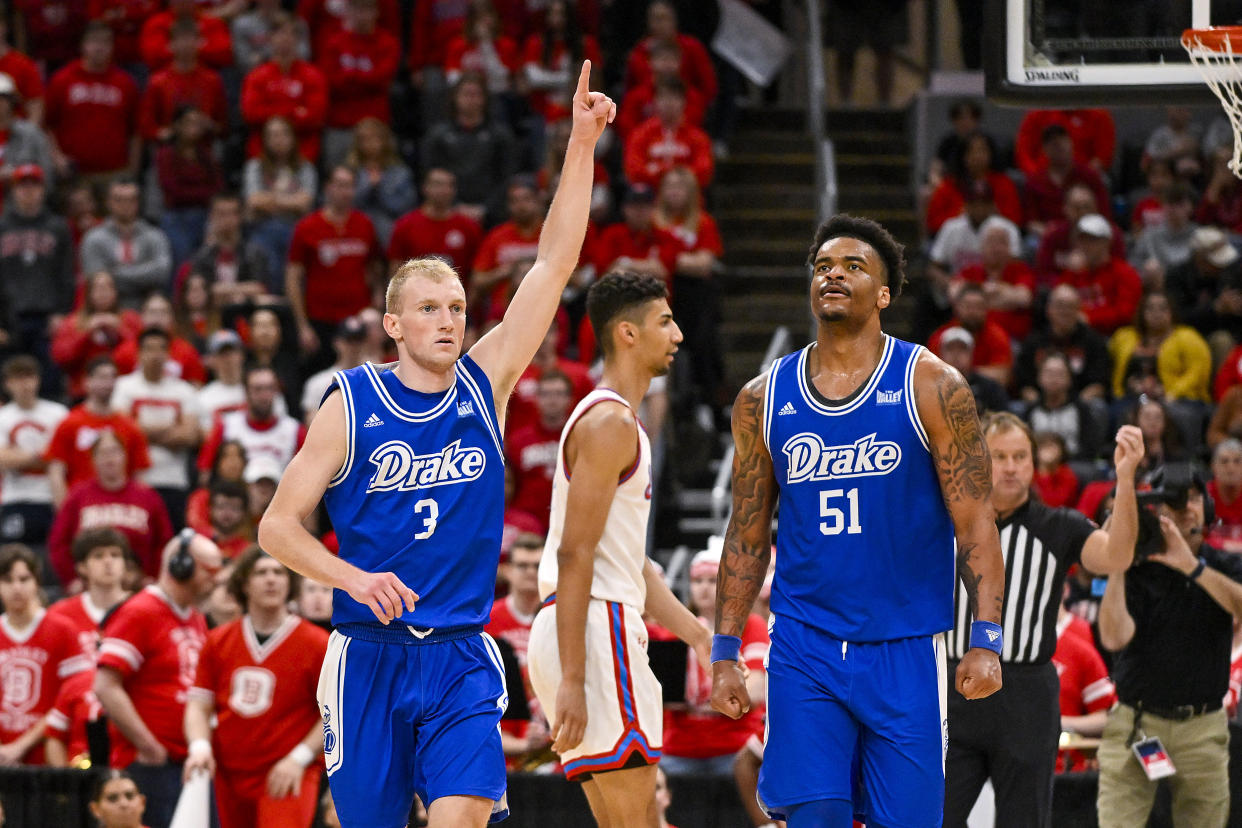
{"x":429,"y":267}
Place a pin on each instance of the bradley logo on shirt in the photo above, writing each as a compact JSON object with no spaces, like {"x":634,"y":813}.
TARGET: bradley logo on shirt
{"x":810,"y":459}
{"x":398,"y":468}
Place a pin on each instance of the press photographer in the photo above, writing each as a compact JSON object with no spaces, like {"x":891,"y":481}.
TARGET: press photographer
{"x":1169,"y":616}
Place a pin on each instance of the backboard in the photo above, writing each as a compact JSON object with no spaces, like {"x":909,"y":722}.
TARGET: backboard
{"x":1068,"y":53}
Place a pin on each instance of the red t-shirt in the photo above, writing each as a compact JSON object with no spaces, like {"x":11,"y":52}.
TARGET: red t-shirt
{"x":1092,"y":131}
{"x":266,"y":688}
{"x":1051,"y":257}
{"x":1045,"y":198}
{"x":697,"y":71}
{"x":335,"y":258}
{"x":506,"y":244}
{"x":154,"y":646}
{"x":1226,"y":533}
{"x":53,"y":27}
{"x":463,"y":56}
{"x":638,"y":106}
{"x":183,"y":360}
{"x":25,"y":75}
{"x":531,"y":453}
{"x":325,"y":18}
{"x":698,"y":732}
{"x":433,"y":25}
{"x":217,"y":43}
{"x":991,"y":343}
{"x":136,"y":510}
{"x":522,"y":409}
{"x":455,"y":239}
{"x":705,"y":237}
{"x":92,"y":115}
{"x":1017,"y":323}
{"x":1085,"y":685}
{"x":76,"y":435}
{"x":301,"y":96}
{"x":652,"y":150}
{"x":76,"y":706}
{"x":1110,"y":294}
{"x":169,"y":89}
{"x":1058,"y":488}
{"x":84,"y":617}
{"x":34,"y":662}
{"x":947,"y":200}
{"x":1229,"y":374}
{"x":554,"y":104}
{"x":359,"y":70}
{"x":618,"y":240}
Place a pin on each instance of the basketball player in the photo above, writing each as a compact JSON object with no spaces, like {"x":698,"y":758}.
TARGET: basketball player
{"x":587,"y":655}
{"x":874,"y":449}
{"x":408,"y":460}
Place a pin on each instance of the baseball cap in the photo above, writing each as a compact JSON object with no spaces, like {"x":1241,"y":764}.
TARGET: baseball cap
{"x":707,"y":562}
{"x":27,"y":172}
{"x":639,"y":194}
{"x":1213,"y":241}
{"x":1093,"y":224}
{"x":7,"y":87}
{"x":263,"y":468}
{"x":351,"y":328}
{"x":221,"y":339}
{"x":957,"y":334}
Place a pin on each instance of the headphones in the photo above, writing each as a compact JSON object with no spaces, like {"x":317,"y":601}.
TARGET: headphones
{"x":181,"y":565}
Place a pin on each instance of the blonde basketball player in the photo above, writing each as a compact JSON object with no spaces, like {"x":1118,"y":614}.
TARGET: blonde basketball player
{"x":587,"y":656}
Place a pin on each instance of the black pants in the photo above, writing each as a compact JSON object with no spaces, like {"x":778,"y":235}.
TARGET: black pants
{"x":1010,"y":737}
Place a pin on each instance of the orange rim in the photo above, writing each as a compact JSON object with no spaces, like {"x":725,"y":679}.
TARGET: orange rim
{"x":1214,"y":38}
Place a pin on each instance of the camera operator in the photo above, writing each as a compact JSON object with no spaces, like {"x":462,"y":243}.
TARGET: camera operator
{"x":1170,"y":618}
{"x":1012,"y":735}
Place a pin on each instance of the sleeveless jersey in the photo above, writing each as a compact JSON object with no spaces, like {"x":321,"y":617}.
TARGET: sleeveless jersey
{"x":421,"y":493}
{"x":622,"y":550}
{"x":865,"y":546}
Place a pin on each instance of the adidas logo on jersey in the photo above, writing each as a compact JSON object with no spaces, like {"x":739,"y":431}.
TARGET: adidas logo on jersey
{"x":465,"y":408}
{"x":398,"y":468}
{"x":888,"y":398}
{"x":787,"y":408}
{"x":810,"y":459}
{"x":993,"y":635}
{"x":372,"y":421}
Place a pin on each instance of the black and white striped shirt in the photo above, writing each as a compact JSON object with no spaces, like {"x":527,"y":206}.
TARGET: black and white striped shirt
{"x":1039,"y":545}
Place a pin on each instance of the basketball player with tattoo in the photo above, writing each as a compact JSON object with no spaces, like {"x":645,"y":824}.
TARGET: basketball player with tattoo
{"x":874,"y":449}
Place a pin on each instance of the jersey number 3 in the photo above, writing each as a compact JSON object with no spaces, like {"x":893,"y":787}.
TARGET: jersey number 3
{"x":834,"y":522}
{"x":429,"y":521}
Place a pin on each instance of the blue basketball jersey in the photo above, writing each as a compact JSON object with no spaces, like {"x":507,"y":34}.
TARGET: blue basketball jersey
{"x":421,"y":493}
{"x":865,"y":546}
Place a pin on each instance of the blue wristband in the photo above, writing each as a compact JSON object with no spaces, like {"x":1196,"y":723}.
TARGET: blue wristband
{"x":987,"y":635}
{"x":725,"y":648}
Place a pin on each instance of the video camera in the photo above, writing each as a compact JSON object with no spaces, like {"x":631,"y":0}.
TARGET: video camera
{"x":1170,"y":484}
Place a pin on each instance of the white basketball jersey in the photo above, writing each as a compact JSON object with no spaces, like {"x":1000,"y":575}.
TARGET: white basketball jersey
{"x":622,"y":550}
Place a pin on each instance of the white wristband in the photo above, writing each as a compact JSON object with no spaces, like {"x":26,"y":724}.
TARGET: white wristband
{"x":200,"y":749}
{"x":301,"y":754}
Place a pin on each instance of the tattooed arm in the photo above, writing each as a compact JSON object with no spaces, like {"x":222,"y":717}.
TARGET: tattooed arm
{"x":748,"y":541}
{"x":947,"y":410}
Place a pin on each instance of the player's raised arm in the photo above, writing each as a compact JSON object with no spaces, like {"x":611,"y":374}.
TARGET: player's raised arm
{"x":507,"y":349}
{"x":600,"y":448}
{"x":283,"y":535}
{"x":947,"y":410}
{"x":747,"y":547}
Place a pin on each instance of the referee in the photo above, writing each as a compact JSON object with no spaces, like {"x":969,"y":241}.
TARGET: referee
{"x":1012,"y":736}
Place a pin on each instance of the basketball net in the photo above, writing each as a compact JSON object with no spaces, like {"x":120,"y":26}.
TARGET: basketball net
{"x":1211,"y":51}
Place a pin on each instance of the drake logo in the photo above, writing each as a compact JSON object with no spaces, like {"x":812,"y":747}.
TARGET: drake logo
{"x":329,"y":738}
{"x":810,"y":459}
{"x":398,"y":468}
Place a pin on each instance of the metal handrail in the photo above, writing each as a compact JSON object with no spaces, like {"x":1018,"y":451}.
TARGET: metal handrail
{"x":825,"y":152}
{"x":777,"y":345}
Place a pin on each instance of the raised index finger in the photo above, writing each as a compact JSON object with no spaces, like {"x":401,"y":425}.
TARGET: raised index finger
{"x":584,"y":79}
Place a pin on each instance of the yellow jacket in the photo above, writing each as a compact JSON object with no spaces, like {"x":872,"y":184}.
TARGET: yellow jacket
{"x":1183,"y":363}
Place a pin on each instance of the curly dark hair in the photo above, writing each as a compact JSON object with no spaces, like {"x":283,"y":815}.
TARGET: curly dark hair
{"x":617,"y":296}
{"x":890,"y":251}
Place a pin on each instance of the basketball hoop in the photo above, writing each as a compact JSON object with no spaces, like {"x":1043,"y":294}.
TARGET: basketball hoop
{"x":1215,"y":52}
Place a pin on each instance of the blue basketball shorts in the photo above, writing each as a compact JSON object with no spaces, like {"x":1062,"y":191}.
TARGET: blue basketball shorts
{"x":859,"y":722}
{"x":403,"y":716}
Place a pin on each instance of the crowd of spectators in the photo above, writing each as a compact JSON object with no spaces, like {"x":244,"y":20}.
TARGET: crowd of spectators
{"x":200,"y":203}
